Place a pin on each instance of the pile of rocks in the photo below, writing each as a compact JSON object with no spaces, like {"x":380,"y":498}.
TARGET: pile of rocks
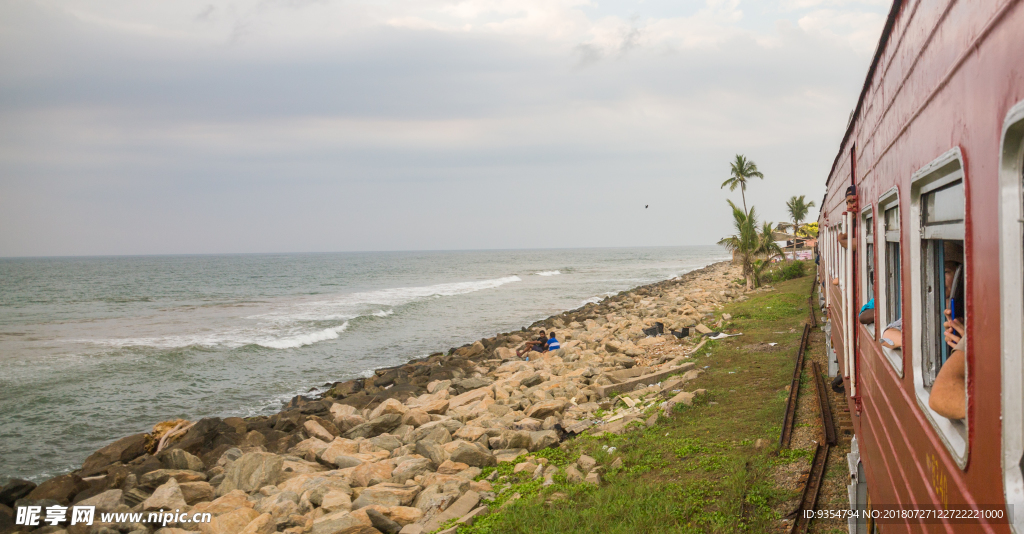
{"x":401,"y":451}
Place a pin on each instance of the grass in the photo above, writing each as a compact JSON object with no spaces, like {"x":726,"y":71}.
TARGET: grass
{"x":697,"y":471}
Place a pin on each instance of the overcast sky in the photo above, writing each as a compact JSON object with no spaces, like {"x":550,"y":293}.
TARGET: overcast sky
{"x":156,"y":127}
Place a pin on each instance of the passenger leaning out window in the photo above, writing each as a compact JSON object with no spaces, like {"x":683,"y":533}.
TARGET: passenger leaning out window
{"x":949,"y":392}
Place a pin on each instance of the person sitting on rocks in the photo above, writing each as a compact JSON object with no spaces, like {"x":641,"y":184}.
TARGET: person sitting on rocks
{"x":540,"y":345}
{"x":553,"y":343}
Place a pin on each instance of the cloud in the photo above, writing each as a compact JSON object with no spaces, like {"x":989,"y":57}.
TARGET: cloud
{"x":288,"y":126}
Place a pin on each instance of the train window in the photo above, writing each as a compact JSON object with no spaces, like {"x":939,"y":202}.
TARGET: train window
{"x":1011,"y":282}
{"x":867,"y":268}
{"x":893,"y":270}
{"x":938,"y":286}
{"x":889,"y":301}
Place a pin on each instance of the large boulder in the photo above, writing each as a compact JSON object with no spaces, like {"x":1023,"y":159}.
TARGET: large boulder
{"x":470,"y":397}
{"x":166,"y":497}
{"x":545,"y":409}
{"x":61,"y":489}
{"x":386,"y":494}
{"x":376,"y":426}
{"x":179,"y":459}
{"x":197,"y":491}
{"x":543,"y":439}
{"x":409,"y":469}
{"x":123,"y":450}
{"x":389,"y":406}
{"x":432,"y":451}
{"x":156,"y":478}
{"x":316,"y":430}
{"x":251,"y":472}
{"x":224,"y":504}
{"x":532,"y":380}
{"x":15,"y":489}
{"x":343,"y":522}
{"x":435,"y":431}
{"x":468,"y":453}
{"x":263,"y":524}
{"x":104,"y":502}
{"x":232,"y":522}
{"x":371,"y":473}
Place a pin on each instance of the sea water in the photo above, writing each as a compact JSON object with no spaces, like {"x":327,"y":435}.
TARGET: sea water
{"x":96,"y":348}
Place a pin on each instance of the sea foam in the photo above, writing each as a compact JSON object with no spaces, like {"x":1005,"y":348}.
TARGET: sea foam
{"x":302,"y":340}
{"x":548,"y":273}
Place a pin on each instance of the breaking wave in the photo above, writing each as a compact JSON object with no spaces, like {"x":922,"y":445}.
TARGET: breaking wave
{"x":302,"y":340}
{"x":548,"y":273}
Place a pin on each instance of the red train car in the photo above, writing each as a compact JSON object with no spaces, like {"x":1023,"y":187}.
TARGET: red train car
{"x":934,"y":148}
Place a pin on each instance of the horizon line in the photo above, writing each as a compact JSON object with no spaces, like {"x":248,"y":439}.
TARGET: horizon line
{"x":180,"y":254}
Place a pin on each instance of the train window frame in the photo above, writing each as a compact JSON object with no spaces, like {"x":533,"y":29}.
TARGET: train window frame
{"x":889,"y":200}
{"x":943,"y":171}
{"x":867,"y":263}
{"x":1011,"y":280}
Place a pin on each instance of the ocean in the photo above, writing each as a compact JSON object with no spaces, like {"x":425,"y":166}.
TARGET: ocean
{"x":97,"y":348}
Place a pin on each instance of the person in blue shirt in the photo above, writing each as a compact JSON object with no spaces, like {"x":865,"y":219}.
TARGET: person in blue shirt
{"x":867,"y":313}
{"x":553,"y":343}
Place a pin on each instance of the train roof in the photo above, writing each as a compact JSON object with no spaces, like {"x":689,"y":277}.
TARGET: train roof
{"x":890,"y":21}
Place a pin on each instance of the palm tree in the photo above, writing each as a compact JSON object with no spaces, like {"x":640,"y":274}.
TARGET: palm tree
{"x":742,"y":169}
{"x":749,"y":243}
{"x":798,"y":209}
{"x":767,"y":249}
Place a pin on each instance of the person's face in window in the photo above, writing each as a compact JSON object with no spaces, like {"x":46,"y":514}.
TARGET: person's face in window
{"x":851,"y":203}
{"x":950,"y":271}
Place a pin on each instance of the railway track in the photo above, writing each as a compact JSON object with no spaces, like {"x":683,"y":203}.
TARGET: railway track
{"x":809,"y":497}
{"x":794,"y":391}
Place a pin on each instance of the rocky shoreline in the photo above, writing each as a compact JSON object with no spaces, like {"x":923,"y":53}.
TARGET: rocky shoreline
{"x":405,"y":450}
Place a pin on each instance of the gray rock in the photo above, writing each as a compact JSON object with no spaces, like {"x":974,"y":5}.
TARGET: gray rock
{"x":382,"y":523}
{"x":386,"y":494}
{"x":409,"y":469}
{"x":123,"y":450}
{"x":179,"y":459}
{"x":156,"y":478}
{"x":432,"y":451}
{"x":472,"y":454}
{"x":386,"y":442}
{"x":543,"y":439}
{"x":375,"y":426}
{"x":251,"y":472}
{"x":107,"y":501}
{"x":166,"y":497}
{"x":532,"y":380}
{"x":15,"y":489}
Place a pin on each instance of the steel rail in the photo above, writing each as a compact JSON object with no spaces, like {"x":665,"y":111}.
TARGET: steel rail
{"x":787,"y":423}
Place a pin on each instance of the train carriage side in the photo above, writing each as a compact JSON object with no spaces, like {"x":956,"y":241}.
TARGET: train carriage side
{"x":935,"y":149}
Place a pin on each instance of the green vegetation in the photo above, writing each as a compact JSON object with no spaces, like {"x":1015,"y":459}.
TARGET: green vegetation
{"x":712,"y":467}
{"x":781,"y":272}
{"x":752,"y":245}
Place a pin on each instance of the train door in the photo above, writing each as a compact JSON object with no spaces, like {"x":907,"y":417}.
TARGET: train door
{"x":1011,"y":273}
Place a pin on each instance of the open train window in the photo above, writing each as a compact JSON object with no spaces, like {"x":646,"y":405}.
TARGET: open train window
{"x":867,"y":265}
{"x":889,"y":301}
{"x":938,"y":283}
{"x":1011,"y":281}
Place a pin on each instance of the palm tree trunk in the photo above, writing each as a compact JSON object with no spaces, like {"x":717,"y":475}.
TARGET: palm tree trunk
{"x":794,"y":239}
{"x":743,"y":194}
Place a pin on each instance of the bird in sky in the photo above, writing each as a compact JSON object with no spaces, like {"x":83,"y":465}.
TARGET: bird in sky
{"x":645,"y":206}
